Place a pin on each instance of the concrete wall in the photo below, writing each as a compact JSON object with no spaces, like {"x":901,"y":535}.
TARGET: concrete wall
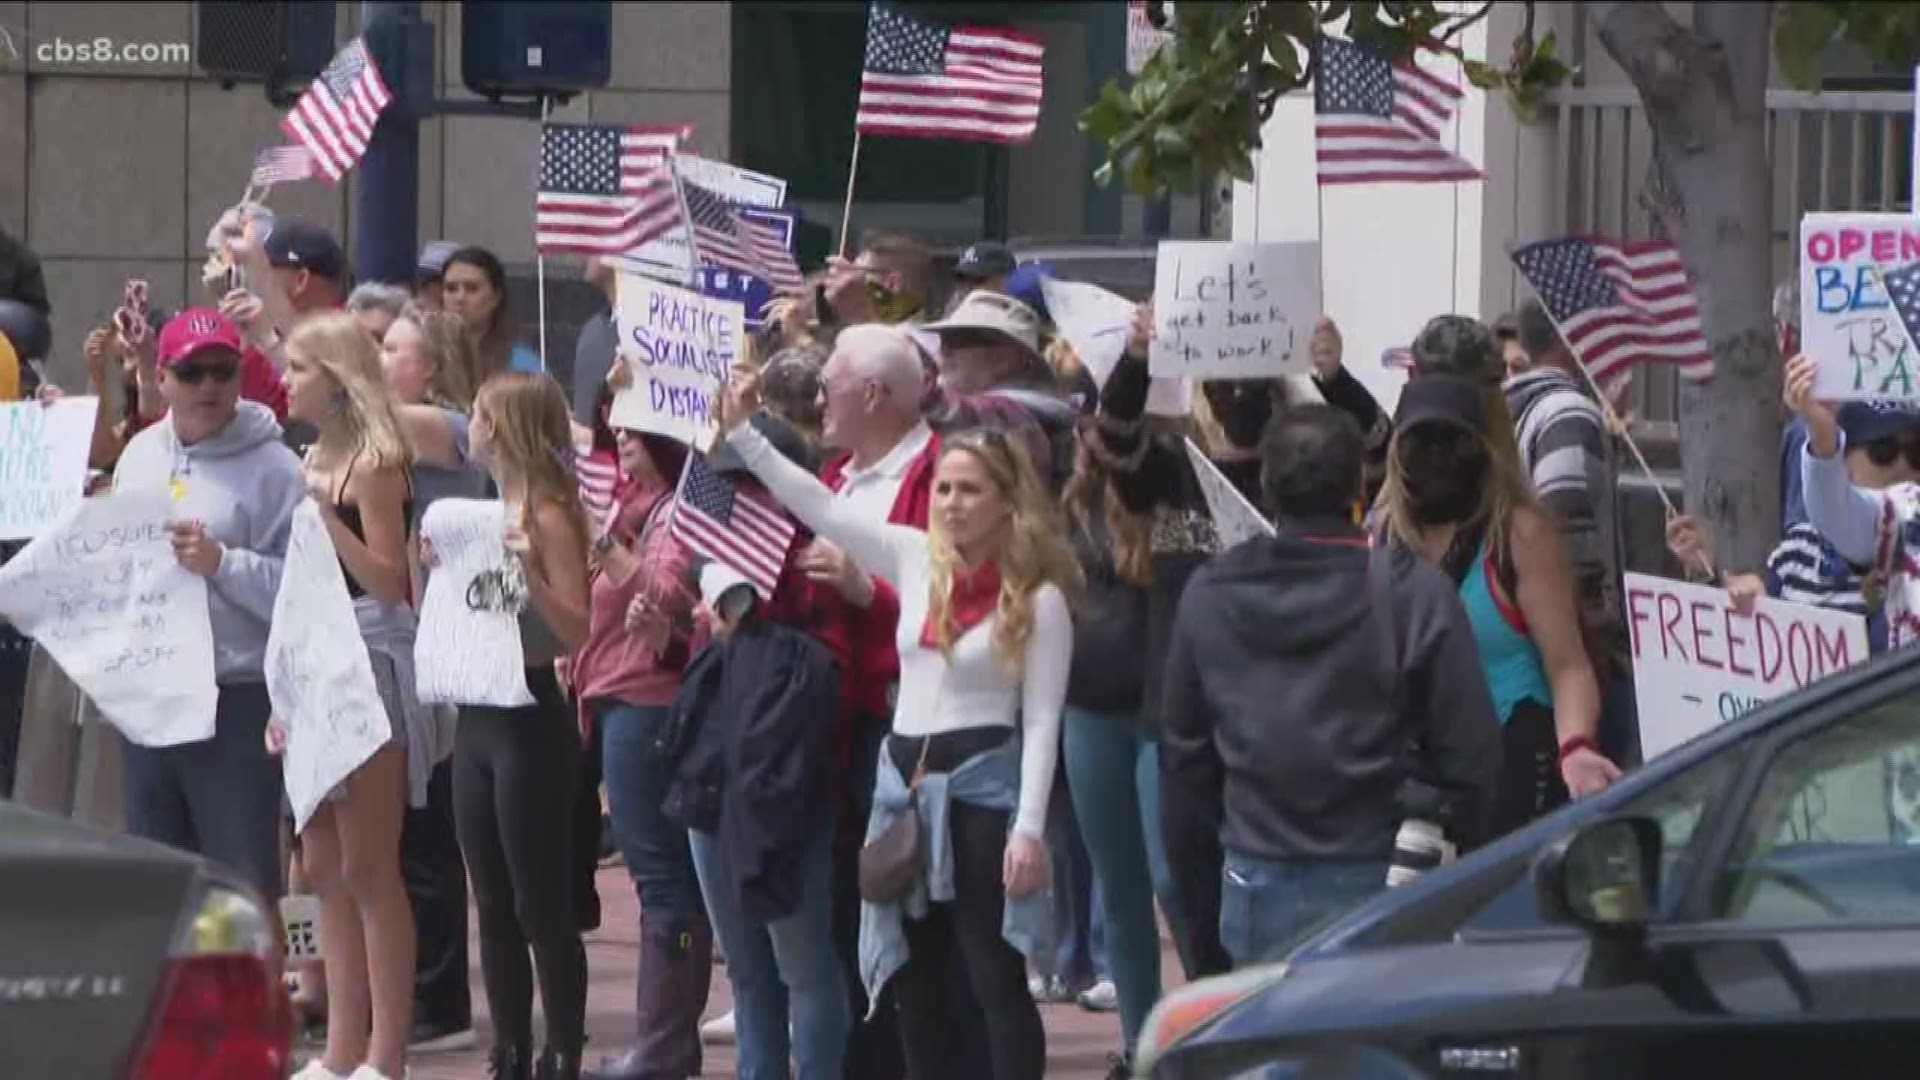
{"x":112,"y":171}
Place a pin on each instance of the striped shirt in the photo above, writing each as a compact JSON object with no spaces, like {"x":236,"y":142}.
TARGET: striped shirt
{"x":1806,"y":569}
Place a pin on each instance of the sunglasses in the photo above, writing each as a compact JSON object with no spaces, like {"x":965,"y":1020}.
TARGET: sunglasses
{"x":195,"y":374}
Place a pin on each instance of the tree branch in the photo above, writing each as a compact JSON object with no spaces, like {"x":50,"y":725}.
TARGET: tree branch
{"x":1461,"y":27}
{"x":1646,"y":41}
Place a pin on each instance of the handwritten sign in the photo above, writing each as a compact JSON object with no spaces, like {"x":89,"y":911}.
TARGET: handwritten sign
{"x":1234,"y":518}
{"x":1698,"y":663}
{"x":1234,"y":311}
{"x":1143,"y":38}
{"x":43,"y":462}
{"x":680,"y":346}
{"x":101,"y":591}
{"x":467,"y":651}
{"x":1846,"y":321}
{"x":318,"y":675}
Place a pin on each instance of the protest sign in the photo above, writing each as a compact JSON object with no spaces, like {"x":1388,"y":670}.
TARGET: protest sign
{"x":467,"y":651}
{"x":1846,"y":321}
{"x":1234,"y":518}
{"x":43,"y":462}
{"x":319,"y":677}
{"x":680,"y":346}
{"x":1698,"y":663}
{"x":101,"y":591}
{"x":1143,"y":39}
{"x":751,"y":291}
{"x":1234,"y":311}
{"x":668,"y":257}
{"x":1094,"y":321}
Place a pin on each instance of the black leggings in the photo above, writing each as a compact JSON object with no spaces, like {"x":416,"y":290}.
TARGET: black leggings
{"x":957,"y":951}
{"x":1530,"y":783}
{"x":514,"y":772}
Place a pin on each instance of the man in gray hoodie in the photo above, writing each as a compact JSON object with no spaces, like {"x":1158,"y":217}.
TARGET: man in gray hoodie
{"x":235,"y":487}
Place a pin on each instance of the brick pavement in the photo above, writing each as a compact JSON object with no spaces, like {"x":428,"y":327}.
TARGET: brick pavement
{"x":1078,"y":1042}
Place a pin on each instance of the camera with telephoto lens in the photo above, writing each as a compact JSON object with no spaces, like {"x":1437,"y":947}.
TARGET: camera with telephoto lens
{"x":1427,"y":814}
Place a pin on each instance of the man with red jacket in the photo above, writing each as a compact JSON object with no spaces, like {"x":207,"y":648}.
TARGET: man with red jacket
{"x":870,"y":394}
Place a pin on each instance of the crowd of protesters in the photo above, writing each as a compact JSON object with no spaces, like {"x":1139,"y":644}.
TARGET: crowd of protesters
{"x":1045,"y":708}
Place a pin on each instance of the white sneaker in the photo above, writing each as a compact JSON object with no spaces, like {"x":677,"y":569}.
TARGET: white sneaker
{"x":317,"y":1070}
{"x":718,"y":1030}
{"x":1101,"y":997}
{"x":368,"y":1072}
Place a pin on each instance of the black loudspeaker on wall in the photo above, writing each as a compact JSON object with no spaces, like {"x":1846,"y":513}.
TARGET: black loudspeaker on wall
{"x":275,"y":41}
{"x":549,"y":47}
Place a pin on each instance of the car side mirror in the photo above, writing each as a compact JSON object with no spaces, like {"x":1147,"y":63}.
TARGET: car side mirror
{"x":1603,"y":878}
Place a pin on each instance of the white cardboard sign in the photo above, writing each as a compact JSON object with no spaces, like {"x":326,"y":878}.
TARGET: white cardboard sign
{"x":467,"y":650}
{"x":43,"y":462}
{"x":1234,"y":311}
{"x":1234,"y":518}
{"x":681,"y":347}
{"x":1095,"y":322}
{"x":102,"y":592}
{"x":1698,"y":663}
{"x":319,"y":677}
{"x":1846,"y":320}
{"x":669,"y":257}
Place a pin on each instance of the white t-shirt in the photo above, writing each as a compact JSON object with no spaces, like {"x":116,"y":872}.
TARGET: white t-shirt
{"x":937,"y":696}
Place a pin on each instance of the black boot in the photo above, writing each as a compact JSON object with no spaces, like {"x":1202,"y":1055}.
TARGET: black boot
{"x":558,"y":1064}
{"x":510,"y":1063}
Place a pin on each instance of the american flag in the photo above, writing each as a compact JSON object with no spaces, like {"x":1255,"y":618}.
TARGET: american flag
{"x":931,"y":82}
{"x":334,"y":119}
{"x":727,"y":240}
{"x":744,"y":530}
{"x":604,"y":190}
{"x":1378,"y":122}
{"x":1903,"y":288}
{"x":282,"y":165}
{"x":1619,"y":303}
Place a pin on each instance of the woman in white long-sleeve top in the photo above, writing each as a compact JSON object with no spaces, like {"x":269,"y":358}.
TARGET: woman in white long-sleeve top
{"x":985,"y":641}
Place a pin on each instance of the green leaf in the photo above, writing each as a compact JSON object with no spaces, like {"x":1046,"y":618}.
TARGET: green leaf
{"x":1484,"y":75}
{"x":1547,"y":46}
{"x":1109,"y":114}
{"x":1803,"y":32}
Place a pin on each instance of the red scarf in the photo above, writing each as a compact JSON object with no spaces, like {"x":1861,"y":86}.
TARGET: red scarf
{"x":974,"y":596}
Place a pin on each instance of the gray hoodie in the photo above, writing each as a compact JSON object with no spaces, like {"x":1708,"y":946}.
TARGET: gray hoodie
{"x":244,"y":484}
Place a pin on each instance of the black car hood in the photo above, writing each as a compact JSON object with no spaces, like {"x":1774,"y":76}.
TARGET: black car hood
{"x":87,"y":920}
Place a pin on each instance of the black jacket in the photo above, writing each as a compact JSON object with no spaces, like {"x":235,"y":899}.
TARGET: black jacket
{"x":1109,"y":625}
{"x":752,"y":733}
{"x":1281,"y":734}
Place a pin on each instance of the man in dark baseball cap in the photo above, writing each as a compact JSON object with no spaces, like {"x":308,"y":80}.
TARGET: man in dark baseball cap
{"x":984,"y":265}
{"x":308,"y":263}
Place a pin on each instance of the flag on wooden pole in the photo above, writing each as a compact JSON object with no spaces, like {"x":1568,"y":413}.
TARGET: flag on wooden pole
{"x":1619,"y":303}
{"x":334,"y":119}
{"x":604,"y":190}
{"x":1377,"y":121}
{"x":968,"y":83}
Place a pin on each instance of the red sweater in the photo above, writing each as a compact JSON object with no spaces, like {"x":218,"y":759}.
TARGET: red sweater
{"x":876,"y":665}
{"x":261,"y":382}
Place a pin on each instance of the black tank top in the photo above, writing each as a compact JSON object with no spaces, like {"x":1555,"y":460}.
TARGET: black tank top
{"x":350,"y":517}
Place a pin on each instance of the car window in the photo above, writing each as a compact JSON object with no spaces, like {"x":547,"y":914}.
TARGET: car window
{"x":1678,"y":806}
{"x":1833,"y":834}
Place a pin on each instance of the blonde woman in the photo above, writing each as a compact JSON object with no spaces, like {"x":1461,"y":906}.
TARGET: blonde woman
{"x":514,"y":770}
{"x":1459,"y":503}
{"x":985,"y":640}
{"x":350,"y":851}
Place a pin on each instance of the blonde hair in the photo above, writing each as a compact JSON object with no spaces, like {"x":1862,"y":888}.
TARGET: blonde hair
{"x":1032,"y":553}
{"x":1507,"y":490}
{"x":450,"y":356}
{"x":532,"y":445}
{"x":339,"y":346}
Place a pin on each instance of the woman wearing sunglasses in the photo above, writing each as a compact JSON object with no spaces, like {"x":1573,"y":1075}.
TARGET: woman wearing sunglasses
{"x":514,"y":769}
{"x":234,"y":486}
{"x":985,"y":640}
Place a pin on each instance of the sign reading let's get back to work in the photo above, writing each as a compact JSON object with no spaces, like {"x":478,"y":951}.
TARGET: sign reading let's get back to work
{"x":1233,"y":311}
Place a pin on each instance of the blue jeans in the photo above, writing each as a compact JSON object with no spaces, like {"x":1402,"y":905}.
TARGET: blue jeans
{"x":787,"y":964}
{"x":1079,"y":955}
{"x":220,"y":798}
{"x":1113,"y":774}
{"x":654,"y":847}
{"x":1268,"y":905}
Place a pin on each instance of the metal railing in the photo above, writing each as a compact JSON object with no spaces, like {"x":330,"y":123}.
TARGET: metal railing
{"x":1840,"y":150}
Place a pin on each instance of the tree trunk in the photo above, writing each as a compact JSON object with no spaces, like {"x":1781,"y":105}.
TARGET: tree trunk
{"x":1711,"y":192}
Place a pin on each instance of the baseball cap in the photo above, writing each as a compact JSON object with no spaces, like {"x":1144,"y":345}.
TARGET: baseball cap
{"x":194,"y":331}
{"x":301,"y":245}
{"x":1026,"y":284}
{"x":1871,"y":421}
{"x":433,"y":258}
{"x":988,"y":258}
{"x":985,"y":311}
{"x":1443,"y":399}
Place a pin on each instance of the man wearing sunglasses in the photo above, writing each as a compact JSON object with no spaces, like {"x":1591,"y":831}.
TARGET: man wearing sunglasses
{"x":234,"y":487}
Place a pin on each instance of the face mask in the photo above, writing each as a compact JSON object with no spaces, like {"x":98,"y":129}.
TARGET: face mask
{"x":890,"y":306}
{"x":1243,"y":409}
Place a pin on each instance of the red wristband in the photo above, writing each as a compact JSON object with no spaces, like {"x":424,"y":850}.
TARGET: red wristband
{"x":1578,"y":742}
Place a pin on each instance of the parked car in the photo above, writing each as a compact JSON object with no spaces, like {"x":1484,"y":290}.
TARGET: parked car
{"x":1747,"y":905}
{"x":125,"y":960}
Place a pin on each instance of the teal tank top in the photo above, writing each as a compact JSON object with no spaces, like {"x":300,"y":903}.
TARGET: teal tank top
{"x":1512,"y":663}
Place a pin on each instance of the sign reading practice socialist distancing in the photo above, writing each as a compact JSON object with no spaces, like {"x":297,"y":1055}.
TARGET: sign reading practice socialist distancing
{"x":1698,"y":663}
{"x":1846,"y":321}
{"x":1234,"y":311}
{"x":680,"y":346}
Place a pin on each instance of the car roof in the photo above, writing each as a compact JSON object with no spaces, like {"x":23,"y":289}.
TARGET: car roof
{"x":28,"y":835}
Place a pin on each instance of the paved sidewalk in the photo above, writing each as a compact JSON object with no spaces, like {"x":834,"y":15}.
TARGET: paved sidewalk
{"x":1078,"y":1042}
